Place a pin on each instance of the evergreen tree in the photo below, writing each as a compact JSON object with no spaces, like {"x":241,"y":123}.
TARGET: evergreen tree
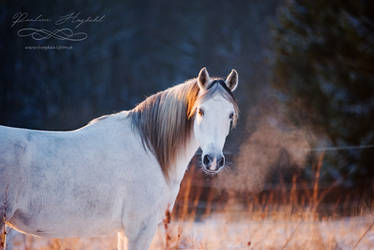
{"x":325,"y":72}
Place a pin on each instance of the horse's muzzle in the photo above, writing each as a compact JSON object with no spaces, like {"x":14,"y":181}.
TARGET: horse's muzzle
{"x":213,"y":162}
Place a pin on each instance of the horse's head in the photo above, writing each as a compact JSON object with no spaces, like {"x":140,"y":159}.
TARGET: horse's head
{"x":215,"y":113}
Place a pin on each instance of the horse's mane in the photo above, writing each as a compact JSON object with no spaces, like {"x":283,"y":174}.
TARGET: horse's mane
{"x":164,"y":120}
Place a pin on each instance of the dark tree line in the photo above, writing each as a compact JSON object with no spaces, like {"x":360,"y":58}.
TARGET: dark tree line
{"x":324,"y":70}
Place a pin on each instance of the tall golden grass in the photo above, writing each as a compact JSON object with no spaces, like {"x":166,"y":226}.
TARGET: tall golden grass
{"x":279,"y":219}
{"x":284,"y":218}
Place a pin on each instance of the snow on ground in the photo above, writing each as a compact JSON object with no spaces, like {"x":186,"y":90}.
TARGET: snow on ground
{"x":222,"y":232}
{"x":219,"y":233}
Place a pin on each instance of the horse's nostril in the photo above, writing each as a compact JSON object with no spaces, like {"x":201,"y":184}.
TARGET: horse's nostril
{"x":206,"y":160}
{"x":221,"y":162}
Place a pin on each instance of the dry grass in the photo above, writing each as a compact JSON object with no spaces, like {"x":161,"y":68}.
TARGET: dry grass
{"x":242,"y":231}
{"x":289,"y":219}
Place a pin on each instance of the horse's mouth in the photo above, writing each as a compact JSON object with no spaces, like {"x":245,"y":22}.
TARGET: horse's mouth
{"x":210,"y":172}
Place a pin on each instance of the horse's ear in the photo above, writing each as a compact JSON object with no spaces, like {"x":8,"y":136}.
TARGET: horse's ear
{"x":232,"y":80}
{"x":203,"y":78}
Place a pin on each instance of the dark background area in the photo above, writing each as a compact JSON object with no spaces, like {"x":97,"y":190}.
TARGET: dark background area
{"x":310,"y":60}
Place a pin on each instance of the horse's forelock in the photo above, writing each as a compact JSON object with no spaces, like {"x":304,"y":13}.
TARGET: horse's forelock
{"x":218,"y":87}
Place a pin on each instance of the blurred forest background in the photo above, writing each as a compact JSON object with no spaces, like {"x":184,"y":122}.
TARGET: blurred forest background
{"x":305,"y":77}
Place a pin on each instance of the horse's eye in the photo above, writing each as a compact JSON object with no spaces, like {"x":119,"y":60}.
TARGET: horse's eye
{"x":201,"y":112}
{"x":231,"y":116}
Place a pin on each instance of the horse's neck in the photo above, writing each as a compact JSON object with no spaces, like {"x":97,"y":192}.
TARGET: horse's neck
{"x":183,"y":159}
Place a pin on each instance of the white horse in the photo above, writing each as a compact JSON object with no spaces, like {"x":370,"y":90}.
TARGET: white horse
{"x":121,"y":171}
